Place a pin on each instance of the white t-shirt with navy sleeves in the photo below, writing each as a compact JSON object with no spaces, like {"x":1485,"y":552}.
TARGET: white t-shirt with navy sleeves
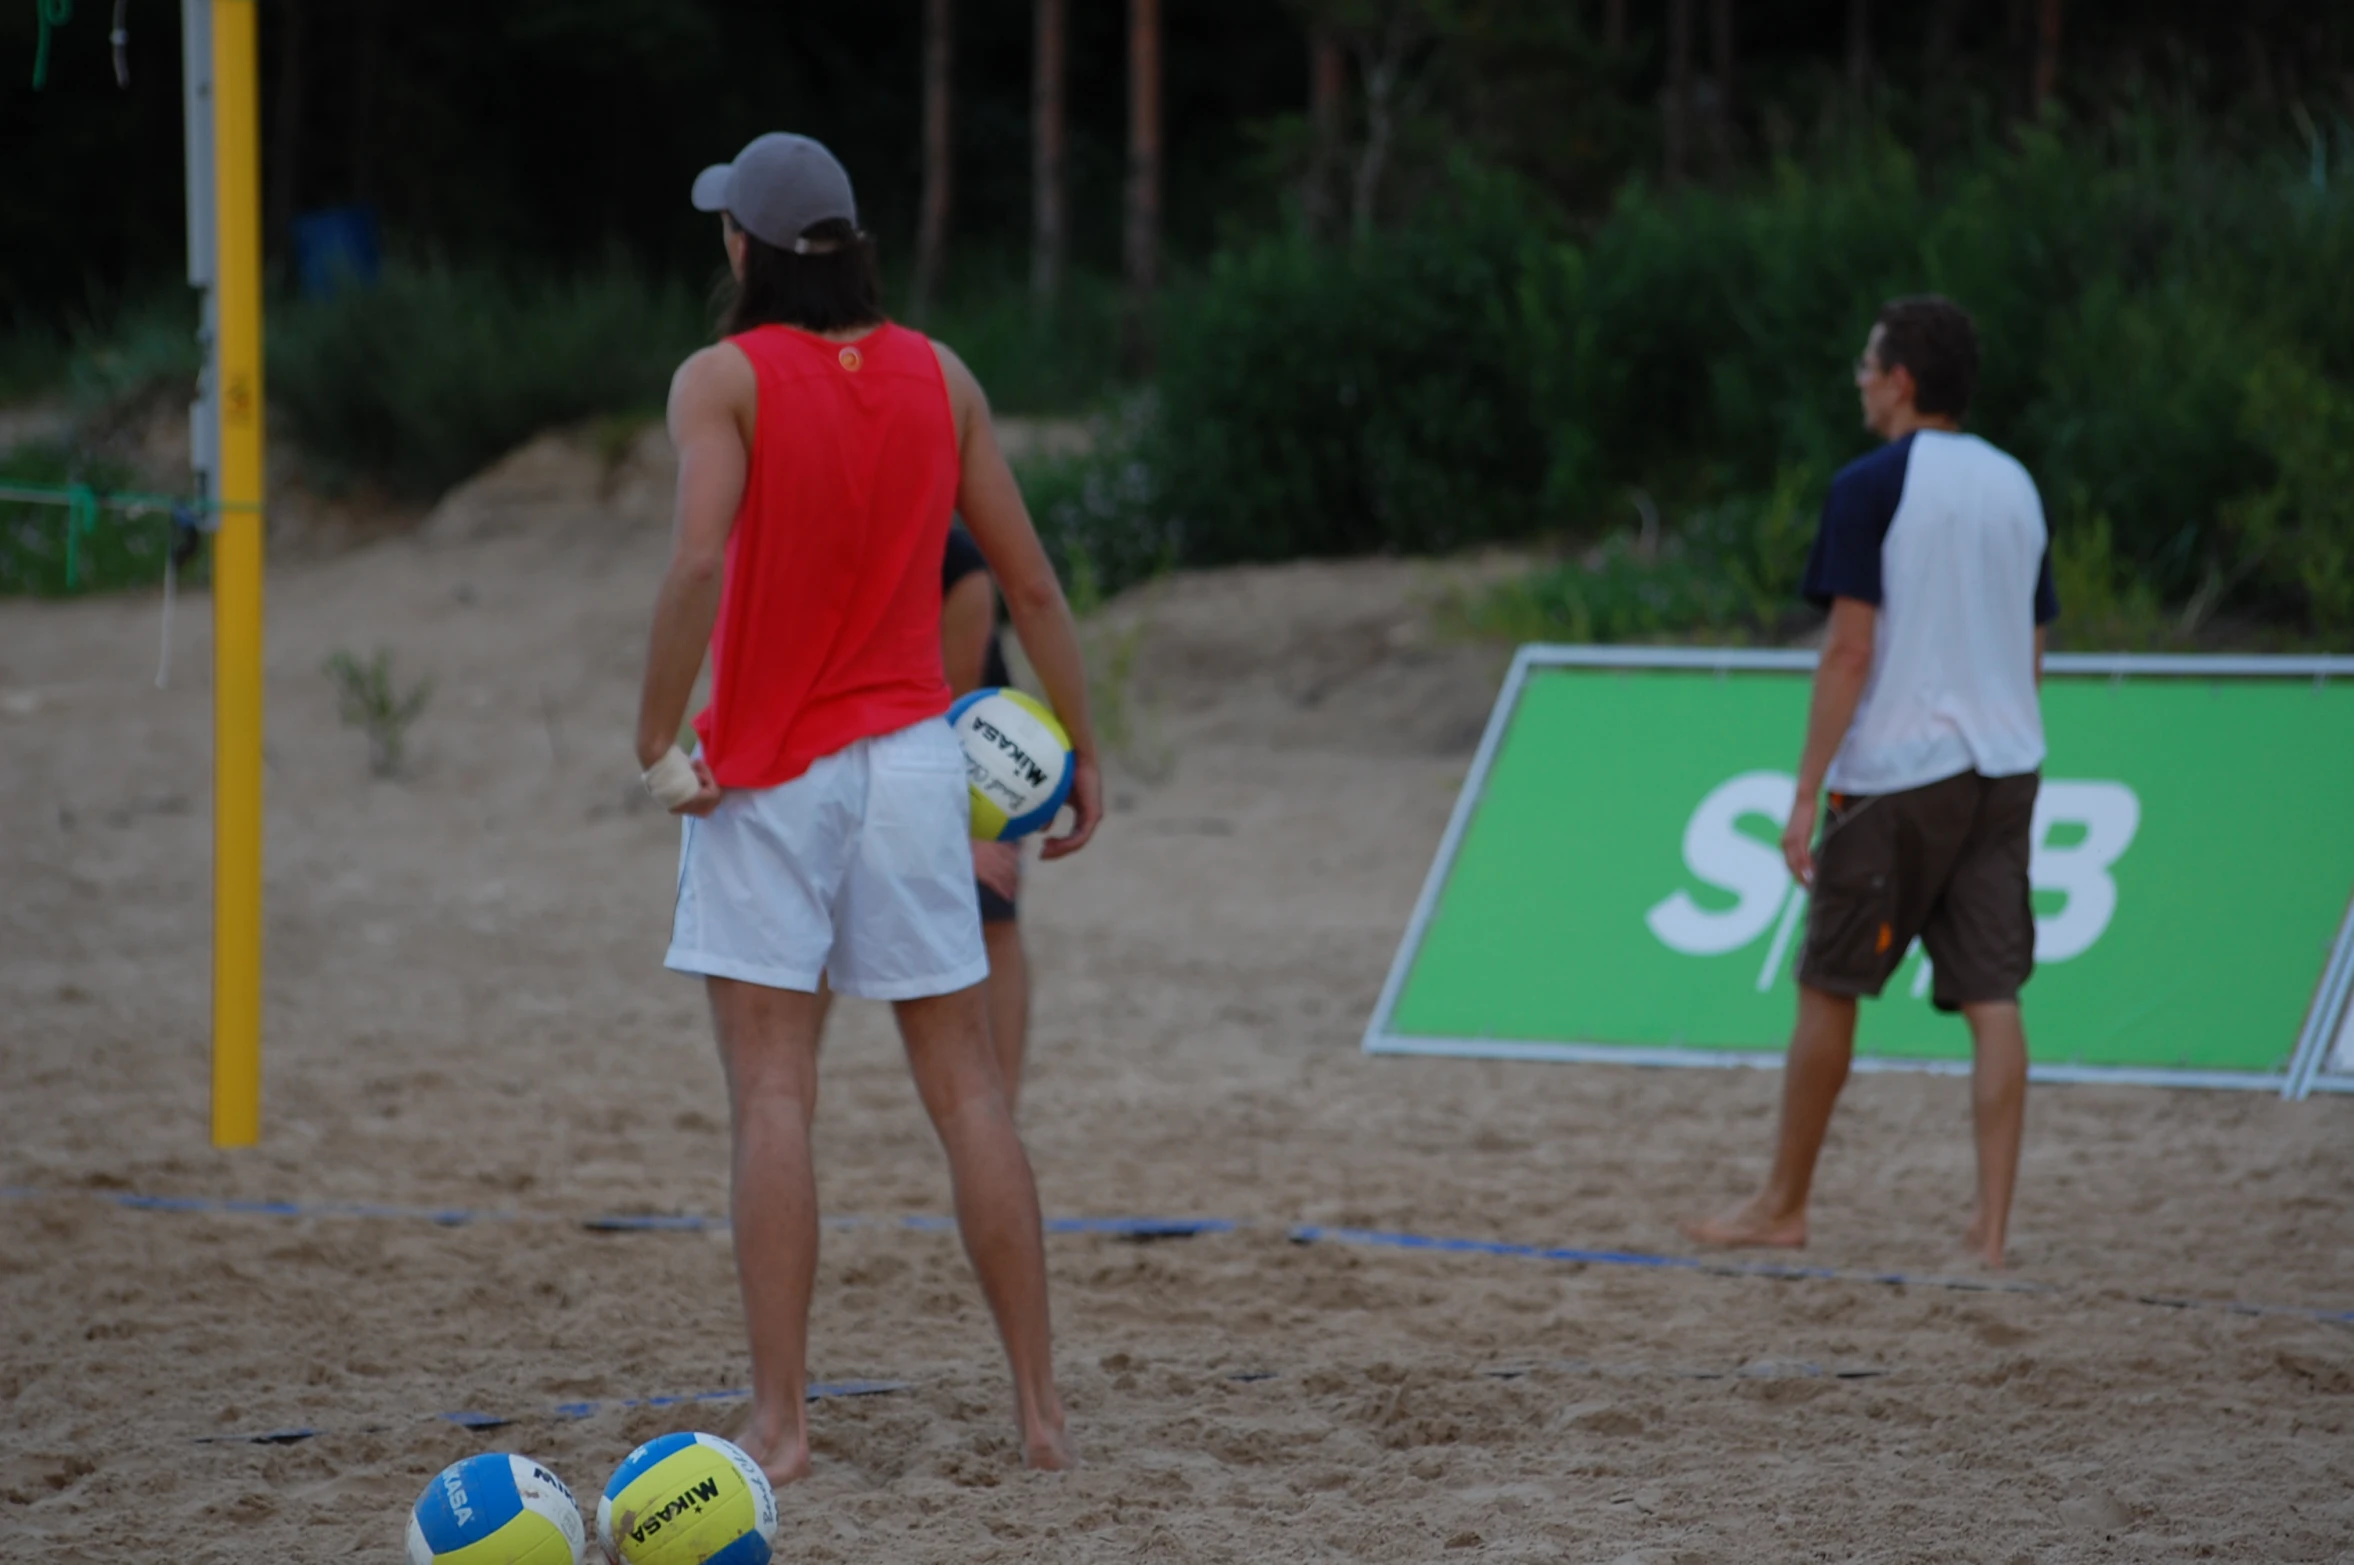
{"x":1945,"y":535}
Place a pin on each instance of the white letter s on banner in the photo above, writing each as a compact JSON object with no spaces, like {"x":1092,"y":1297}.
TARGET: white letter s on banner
{"x":2110,"y":815}
{"x":1718,"y":852}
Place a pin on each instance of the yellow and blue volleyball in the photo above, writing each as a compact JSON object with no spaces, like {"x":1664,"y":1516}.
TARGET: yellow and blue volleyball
{"x":687,"y":1500}
{"x":1017,"y":759}
{"x":496,"y":1509}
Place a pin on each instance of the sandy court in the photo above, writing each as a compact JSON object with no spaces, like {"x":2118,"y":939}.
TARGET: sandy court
{"x":466,"y":1012}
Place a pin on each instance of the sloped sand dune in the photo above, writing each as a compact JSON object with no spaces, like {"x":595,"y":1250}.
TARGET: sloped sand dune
{"x":466,"y":1012}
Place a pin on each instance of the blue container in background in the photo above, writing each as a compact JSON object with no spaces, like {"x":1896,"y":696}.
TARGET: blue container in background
{"x":335,"y":247}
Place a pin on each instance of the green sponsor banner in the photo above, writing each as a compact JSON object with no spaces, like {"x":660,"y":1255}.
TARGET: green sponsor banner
{"x":1614,"y":877}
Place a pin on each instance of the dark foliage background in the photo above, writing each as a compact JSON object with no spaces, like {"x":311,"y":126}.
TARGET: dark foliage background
{"x":1485,"y":308}
{"x":555,"y":131}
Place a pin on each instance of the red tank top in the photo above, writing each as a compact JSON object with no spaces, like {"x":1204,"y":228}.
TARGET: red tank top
{"x":829,"y":612}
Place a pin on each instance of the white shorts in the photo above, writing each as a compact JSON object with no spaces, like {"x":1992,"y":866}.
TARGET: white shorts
{"x":860,"y":869}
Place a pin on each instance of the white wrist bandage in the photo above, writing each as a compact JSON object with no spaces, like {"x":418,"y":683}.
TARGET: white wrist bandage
{"x":672,"y":780}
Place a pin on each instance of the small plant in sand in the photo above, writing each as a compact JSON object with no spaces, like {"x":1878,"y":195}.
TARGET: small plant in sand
{"x":1122,"y":720}
{"x":367,"y":700}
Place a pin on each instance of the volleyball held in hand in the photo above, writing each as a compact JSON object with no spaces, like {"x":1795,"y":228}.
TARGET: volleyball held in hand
{"x":1017,"y":758}
{"x":687,"y":1499}
{"x":496,"y":1509}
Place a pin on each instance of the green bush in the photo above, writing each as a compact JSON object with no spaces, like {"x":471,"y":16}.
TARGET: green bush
{"x":147,"y":351}
{"x":2138,"y":293}
{"x":2297,"y":536}
{"x":1061,"y":362}
{"x":1329,"y":400}
{"x":419,"y":381}
{"x":2168,"y":345}
{"x":1100,"y":514}
{"x":1730,"y":574}
{"x":32,"y":363}
{"x":110,"y":360}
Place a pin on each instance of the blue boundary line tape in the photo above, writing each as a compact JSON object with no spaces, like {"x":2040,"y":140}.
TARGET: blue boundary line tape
{"x":819,"y":1391}
{"x":1308,"y":1233}
{"x":446,"y":1217}
{"x":2290,"y":1311}
{"x":442,"y":1216}
{"x":653,"y":1222}
{"x":1759,"y":1369}
{"x":1141,"y":1228}
{"x":1138,"y":1228}
{"x":1147,"y":1229}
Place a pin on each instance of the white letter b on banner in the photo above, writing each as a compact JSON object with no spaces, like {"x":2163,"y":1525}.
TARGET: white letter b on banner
{"x":2110,"y":815}
{"x":1718,"y":852}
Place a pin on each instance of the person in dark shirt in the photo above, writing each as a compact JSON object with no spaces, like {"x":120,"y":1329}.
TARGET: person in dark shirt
{"x":973,"y":660}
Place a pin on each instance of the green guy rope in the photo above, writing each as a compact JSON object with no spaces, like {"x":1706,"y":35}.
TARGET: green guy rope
{"x":81,"y":521}
{"x":112,"y":499}
{"x":53,"y":13}
{"x":83,"y":505}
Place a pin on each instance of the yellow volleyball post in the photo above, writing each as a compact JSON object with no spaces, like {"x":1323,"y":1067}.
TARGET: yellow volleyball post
{"x":237,"y":584}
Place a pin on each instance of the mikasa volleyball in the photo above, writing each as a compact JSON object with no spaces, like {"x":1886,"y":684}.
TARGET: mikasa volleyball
{"x":1017,"y":758}
{"x":496,"y":1509}
{"x":687,"y":1499}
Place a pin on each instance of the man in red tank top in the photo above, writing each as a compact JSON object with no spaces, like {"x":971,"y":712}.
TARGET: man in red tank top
{"x":821,"y":452}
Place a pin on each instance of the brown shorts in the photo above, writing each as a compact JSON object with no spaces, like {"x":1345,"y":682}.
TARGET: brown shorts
{"x":1946,"y":862}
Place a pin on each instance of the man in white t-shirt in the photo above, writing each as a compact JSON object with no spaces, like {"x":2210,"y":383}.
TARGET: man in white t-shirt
{"x":1935,"y":565}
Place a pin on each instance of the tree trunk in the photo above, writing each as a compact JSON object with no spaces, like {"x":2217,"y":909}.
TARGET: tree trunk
{"x":1142,"y":232}
{"x":1939,"y":93}
{"x":1945,"y":26}
{"x":931,"y":238}
{"x":2019,"y":58}
{"x":1720,"y":119}
{"x":1676,"y":105}
{"x":286,"y":127}
{"x":367,"y":21}
{"x":2047,"y":55}
{"x":1391,"y":96}
{"x":1328,"y":86}
{"x":1048,"y":136}
{"x":1859,"y":48}
{"x":1614,"y":25}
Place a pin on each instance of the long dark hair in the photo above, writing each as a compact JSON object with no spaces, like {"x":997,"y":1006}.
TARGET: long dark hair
{"x":826,"y":290}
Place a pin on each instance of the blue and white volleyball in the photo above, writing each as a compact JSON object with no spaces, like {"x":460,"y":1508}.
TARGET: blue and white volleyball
{"x":687,"y":1500}
{"x":496,"y":1509}
{"x":1017,"y":758}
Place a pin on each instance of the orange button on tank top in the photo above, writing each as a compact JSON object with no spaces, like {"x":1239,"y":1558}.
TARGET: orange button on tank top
{"x":829,"y":613}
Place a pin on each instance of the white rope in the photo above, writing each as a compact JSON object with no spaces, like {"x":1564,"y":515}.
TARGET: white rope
{"x":171,"y":582}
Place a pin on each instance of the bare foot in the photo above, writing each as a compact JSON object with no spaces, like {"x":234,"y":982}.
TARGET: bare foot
{"x":787,"y":1462}
{"x":1751,"y":1225}
{"x":1048,"y":1450}
{"x":1989,"y":1252}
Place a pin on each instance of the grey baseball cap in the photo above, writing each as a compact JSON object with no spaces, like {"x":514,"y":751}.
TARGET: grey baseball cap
{"x":778,"y":188}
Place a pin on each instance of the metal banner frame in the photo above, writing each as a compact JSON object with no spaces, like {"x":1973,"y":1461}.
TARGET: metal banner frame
{"x":2330,"y":1012}
{"x":2329,"y":1023}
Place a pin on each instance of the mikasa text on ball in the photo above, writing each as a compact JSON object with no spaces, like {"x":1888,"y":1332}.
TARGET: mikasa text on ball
{"x":687,"y":1499}
{"x":1017,"y":758}
{"x":496,"y":1509}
